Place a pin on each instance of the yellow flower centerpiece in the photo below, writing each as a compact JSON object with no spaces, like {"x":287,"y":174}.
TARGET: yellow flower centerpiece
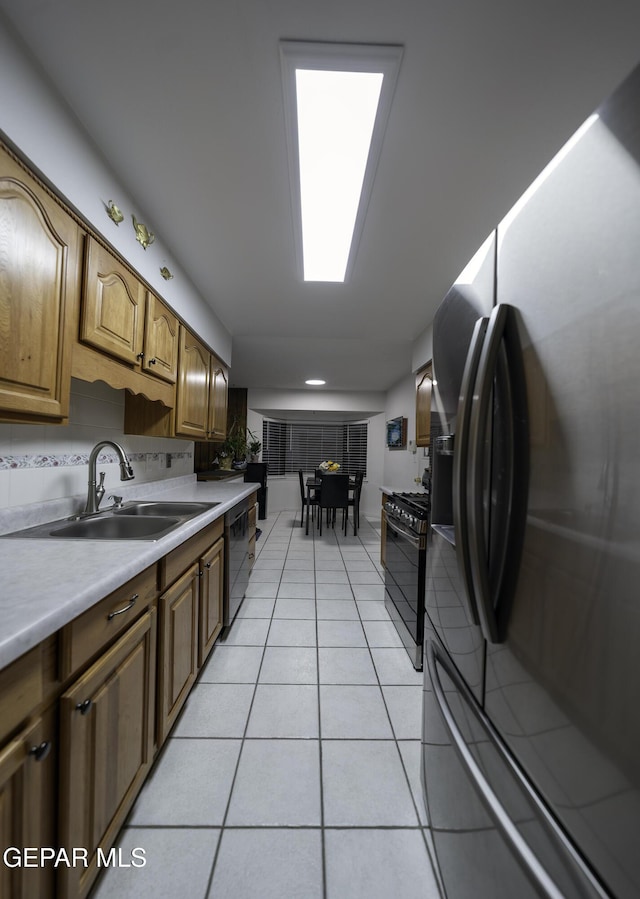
{"x":329,"y":466}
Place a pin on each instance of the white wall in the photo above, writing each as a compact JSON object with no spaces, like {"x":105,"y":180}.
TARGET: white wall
{"x":44,"y":131}
{"x":402,"y":467}
{"x":345,"y":402}
{"x":45,"y":462}
{"x":422,"y":350}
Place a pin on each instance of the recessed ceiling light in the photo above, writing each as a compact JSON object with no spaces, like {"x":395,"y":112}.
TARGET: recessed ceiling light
{"x":315,"y":382}
{"x":337,"y":101}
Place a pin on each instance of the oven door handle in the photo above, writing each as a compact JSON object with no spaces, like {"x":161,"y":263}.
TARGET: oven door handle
{"x":391,"y":522}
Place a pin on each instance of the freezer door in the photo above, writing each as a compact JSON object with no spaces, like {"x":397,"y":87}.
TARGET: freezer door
{"x":446,"y":608}
{"x":563,"y":690}
{"x":493,"y":837}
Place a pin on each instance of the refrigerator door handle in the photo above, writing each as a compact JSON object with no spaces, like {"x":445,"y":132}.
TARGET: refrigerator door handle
{"x":501,"y":332}
{"x":460,"y":463}
{"x":510,"y":833}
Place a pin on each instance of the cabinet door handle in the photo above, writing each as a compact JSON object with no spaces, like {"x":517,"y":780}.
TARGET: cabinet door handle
{"x":83,"y":707}
{"x":126,"y":608}
{"x":152,"y":361}
{"x":207,"y":565}
{"x":42,"y":751}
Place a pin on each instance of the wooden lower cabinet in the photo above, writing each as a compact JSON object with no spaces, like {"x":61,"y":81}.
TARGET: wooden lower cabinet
{"x":28,"y":778}
{"x":106,"y":748}
{"x":83,"y":715}
{"x":178,"y":647}
{"x":211,"y":597}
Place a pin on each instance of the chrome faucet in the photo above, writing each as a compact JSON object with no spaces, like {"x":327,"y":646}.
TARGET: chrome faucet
{"x":96,"y":492}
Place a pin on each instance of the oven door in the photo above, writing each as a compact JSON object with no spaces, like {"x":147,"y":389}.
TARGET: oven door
{"x":405,"y":560}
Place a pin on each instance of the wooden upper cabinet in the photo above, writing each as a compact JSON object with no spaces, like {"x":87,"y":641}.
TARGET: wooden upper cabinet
{"x":112,"y":317}
{"x":423,"y":405}
{"x":218,"y":398}
{"x":40,"y":264}
{"x":192,"y":389}
{"x":201,"y":391}
{"x":160,"y":340}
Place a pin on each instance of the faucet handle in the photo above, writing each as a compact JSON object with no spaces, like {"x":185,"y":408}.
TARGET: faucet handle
{"x":100,"y":490}
{"x":117,"y":500}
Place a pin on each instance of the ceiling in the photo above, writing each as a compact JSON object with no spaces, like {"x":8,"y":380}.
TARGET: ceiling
{"x":185,"y":101}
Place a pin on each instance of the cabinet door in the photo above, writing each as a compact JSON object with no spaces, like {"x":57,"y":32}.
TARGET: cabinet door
{"x":218,"y":400}
{"x":423,"y":406}
{"x":40,"y":264}
{"x":192,"y":389}
{"x":160,"y":340}
{"x":178,"y":664}
{"x":113,"y":306}
{"x":27,"y":783}
{"x":211,"y":596}
{"x":107,"y":741}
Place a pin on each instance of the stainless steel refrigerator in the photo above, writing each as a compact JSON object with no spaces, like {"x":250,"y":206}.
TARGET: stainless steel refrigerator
{"x":531,"y":728}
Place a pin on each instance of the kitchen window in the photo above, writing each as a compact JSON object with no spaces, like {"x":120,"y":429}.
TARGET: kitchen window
{"x":291,"y":445}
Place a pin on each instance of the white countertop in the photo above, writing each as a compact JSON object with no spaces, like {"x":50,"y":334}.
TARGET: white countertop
{"x":46,"y":583}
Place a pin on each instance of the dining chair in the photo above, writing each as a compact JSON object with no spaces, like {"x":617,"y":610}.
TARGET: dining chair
{"x":303,"y":498}
{"x":334,"y":494}
{"x":355,"y":501}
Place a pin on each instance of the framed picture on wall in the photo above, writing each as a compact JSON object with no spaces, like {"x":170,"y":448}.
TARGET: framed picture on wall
{"x":397,"y":433}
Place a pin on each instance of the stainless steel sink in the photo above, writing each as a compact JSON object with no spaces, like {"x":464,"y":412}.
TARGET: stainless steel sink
{"x":116,"y":528}
{"x":157,"y":508}
{"x":131,"y":521}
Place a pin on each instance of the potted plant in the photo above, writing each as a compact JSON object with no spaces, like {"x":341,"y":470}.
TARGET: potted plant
{"x":254,"y":446}
{"x":225,"y":456}
{"x":235,"y":445}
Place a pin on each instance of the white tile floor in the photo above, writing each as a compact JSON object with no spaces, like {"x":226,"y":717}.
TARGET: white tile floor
{"x":293,"y":772}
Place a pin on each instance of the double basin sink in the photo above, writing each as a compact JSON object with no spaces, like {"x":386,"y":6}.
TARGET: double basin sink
{"x":130,"y":521}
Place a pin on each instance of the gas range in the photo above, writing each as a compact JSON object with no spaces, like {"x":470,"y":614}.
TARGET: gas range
{"x":411,"y":510}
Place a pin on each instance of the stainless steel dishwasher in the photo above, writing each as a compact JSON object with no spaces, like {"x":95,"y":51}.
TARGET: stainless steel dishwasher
{"x":236,"y":558}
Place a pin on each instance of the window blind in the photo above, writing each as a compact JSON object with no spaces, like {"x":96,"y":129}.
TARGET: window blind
{"x":290,"y":445}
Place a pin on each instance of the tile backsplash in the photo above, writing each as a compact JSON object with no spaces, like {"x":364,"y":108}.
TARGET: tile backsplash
{"x":45,"y":462}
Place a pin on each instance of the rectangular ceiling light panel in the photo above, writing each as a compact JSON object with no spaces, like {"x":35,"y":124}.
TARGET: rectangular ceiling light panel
{"x":337,"y":100}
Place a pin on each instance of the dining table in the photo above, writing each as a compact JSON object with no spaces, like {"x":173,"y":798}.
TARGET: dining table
{"x":314,"y":483}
